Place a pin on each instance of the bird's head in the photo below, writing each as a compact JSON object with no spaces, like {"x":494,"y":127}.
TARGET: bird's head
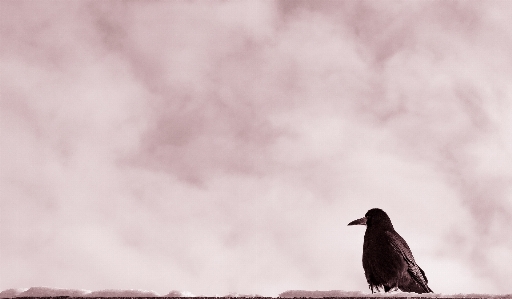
{"x":374,"y":218}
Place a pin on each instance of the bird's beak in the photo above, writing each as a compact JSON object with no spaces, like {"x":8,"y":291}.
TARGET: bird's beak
{"x":360,"y":221}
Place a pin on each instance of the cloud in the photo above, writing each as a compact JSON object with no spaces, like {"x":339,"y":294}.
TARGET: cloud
{"x":225,"y":141}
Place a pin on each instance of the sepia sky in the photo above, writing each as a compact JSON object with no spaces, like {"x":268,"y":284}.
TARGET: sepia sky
{"x":223,"y":146}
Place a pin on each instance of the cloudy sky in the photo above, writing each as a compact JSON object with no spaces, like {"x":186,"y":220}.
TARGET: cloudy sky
{"x":223,"y":146}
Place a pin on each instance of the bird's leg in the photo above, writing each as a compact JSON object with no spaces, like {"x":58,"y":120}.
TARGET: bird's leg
{"x":391,"y":288}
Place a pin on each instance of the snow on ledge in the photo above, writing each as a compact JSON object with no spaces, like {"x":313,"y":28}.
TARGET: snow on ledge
{"x":42,"y":291}
{"x":55,"y":292}
{"x":358,"y":294}
{"x":123,"y":293}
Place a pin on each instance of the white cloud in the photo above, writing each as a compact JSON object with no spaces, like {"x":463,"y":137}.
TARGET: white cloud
{"x":187,"y":138}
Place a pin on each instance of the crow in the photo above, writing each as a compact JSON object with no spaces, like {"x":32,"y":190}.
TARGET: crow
{"x":387,"y":259}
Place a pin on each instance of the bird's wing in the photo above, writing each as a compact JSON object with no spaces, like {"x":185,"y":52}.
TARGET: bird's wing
{"x":403,"y":249}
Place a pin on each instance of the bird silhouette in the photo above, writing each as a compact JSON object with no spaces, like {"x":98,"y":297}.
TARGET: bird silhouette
{"x":387,"y":259}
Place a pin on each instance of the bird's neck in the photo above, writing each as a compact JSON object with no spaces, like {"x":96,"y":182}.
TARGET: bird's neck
{"x":381,"y":227}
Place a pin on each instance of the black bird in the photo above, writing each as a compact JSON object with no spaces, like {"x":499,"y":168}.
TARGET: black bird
{"x":387,"y":259}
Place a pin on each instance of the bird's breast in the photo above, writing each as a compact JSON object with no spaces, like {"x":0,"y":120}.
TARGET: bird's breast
{"x":381,"y":263}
